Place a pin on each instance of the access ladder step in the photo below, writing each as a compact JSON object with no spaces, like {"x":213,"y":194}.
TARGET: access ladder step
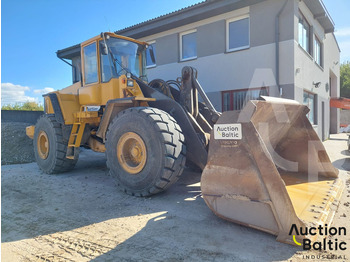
{"x":75,"y":139}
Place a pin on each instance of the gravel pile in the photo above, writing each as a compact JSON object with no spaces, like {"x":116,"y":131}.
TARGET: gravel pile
{"x":16,"y":147}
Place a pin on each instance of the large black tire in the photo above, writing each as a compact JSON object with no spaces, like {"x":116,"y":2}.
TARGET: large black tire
{"x":163,"y":143}
{"x":54,"y":161}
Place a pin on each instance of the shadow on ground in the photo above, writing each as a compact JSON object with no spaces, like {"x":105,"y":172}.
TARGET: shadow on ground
{"x":337,"y":139}
{"x":342,"y":164}
{"x":345,"y":152}
{"x":35,"y":204}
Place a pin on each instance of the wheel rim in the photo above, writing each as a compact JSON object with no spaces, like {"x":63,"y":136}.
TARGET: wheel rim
{"x":131,"y":153}
{"x":43,"y":145}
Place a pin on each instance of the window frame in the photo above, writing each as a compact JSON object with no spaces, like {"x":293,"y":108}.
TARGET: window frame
{"x":155,"y":64}
{"x":181,"y":48}
{"x":309,"y":35}
{"x":231,"y":95}
{"x":234,"y":19}
{"x":317,"y":39}
{"x":314,"y":110}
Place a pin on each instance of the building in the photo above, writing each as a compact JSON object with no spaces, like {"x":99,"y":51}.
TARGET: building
{"x":246,"y":48}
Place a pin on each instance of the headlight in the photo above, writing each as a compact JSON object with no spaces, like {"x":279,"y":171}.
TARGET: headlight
{"x":130,"y":83}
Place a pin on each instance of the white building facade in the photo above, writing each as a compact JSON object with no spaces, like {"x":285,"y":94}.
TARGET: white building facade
{"x":246,"y":48}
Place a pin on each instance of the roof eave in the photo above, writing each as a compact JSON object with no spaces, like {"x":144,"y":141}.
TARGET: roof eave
{"x":185,"y":16}
{"x":320,"y":13}
{"x":69,"y":52}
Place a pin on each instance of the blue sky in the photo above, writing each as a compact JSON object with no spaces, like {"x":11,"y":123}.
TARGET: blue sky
{"x":33,"y":30}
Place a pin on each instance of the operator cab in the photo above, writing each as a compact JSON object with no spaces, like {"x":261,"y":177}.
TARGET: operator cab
{"x":119,"y":56}
{"x":116,"y":54}
{"x":101,"y":64}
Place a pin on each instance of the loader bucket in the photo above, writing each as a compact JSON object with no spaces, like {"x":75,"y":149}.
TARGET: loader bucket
{"x":267,"y":169}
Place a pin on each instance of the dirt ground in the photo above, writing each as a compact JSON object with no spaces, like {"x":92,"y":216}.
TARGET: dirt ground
{"x":16,"y":147}
{"x":82,"y":216}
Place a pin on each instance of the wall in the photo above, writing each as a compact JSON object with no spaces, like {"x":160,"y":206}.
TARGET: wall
{"x":307,"y":71}
{"x":255,"y":66}
{"x":345,"y":117}
{"x":332,"y":60}
{"x":219,"y":70}
{"x":20,"y":116}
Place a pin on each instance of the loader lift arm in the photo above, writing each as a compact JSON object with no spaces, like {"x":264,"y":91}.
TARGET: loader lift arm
{"x":196,"y":151}
{"x":186,"y":111}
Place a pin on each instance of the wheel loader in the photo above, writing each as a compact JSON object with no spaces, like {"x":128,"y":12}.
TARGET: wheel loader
{"x":263,"y":166}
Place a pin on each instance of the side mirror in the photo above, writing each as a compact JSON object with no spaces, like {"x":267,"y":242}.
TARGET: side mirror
{"x":103,"y":49}
{"x":151,"y":53}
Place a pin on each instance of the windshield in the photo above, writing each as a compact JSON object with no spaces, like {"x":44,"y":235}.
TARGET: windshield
{"x":128,"y":56}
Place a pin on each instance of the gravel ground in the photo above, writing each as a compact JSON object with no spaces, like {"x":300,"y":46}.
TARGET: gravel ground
{"x":16,"y":147}
{"x":82,"y":216}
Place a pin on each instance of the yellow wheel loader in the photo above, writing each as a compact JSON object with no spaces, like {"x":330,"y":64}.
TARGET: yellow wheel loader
{"x":263,"y":167}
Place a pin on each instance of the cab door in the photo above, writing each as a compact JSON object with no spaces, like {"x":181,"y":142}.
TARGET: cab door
{"x":90,"y":93}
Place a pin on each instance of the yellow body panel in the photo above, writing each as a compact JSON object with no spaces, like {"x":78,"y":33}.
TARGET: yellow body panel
{"x":88,"y":117}
{"x":69,"y":105}
{"x":68,"y":100}
{"x":48,"y":105}
{"x":71,"y":90}
{"x":111,"y":90}
{"x":100,"y":94}
{"x":90,"y":95}
{"x":30,"y":131}
{"x":72,"y":98}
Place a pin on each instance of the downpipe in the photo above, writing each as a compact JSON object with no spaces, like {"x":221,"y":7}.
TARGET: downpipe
{"x":277,"y":40}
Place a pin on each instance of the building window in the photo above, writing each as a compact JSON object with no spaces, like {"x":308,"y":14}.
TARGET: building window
{"x":188,"y":45}
{"x":318,"y":51}
{"x":90,"y":64}
{"x":149,"y":62}
{"x":237,"y":99}
{"x":304,"y":33}
{"x":310,"y":101}
{"x":237,"y":33}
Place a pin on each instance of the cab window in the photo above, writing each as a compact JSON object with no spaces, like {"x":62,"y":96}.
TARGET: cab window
{"x":90,"y":64}
{"x":107,"y":70}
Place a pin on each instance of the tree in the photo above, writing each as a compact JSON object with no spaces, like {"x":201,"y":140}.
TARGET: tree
{"x":27,"y":106}
{"x":345,"y":79}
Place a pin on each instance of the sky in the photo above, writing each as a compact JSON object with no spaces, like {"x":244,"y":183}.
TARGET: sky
{"x":339,"y":11}
{"x":33,"y":30}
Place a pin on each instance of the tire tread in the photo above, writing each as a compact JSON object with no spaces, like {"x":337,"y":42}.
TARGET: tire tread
{"x":61,"y":163}
{"x":174,"y":144}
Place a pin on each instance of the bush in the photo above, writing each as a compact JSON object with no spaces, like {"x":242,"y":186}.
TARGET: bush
{"x":27,"y":106}
{"x":345,"y":80}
